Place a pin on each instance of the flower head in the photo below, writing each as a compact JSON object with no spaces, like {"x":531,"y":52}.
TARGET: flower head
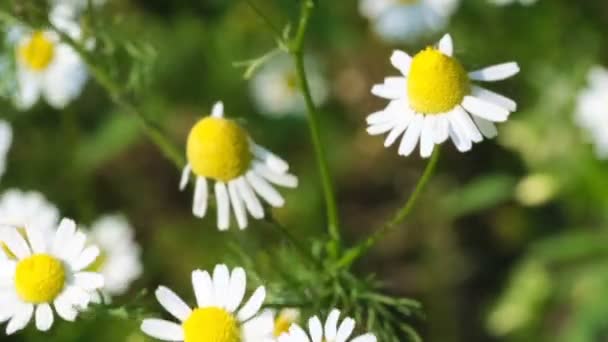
{"x":47,"y":269}
{"x":119,"y":259}
{"x":220,"y":150}
{"x":217,"y":316}
{"x":330,"y":332}
{"x":407,"y":20}
{"x":30,"y":209}
{"x":435,"y":99}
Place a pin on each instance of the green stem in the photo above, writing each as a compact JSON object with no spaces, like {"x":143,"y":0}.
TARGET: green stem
{"x":150,"y":128}
{"x":296,"y":50}
{"x":354,"y":253}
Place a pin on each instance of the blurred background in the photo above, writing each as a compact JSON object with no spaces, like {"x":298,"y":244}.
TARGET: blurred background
{"x":508,"y":243}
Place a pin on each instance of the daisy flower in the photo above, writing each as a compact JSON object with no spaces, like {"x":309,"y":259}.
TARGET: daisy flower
{"x":407,"y":20}
{"x":48,"y":269}
{"x":217,"y":316}
{"x":119,"y":261}
{"x":331,"y":332}
{"x":30,"y":209}
{"x":6,"y":139}
{"x":276,"y":92}
{"x":47,"y":67}
{"x":269,"y":325}
{"x":218,"y":149}
{"x":591,"y":111}
{"x":434,"y":100}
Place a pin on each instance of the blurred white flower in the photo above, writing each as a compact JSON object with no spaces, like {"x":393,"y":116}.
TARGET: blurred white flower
{"x":509,"y":2}
{"x":399,"y":21}
{"x":270,"y":324}
{"x":27,"y":210}
{"x":119,"y":260}
{"x":276,"y":91}
{"x":221,"y":151}
{"x":536,"y":189}
{"x":45,"y":270}
{"x":435,"y":100}
{"x":592,"y":110}
{"x":6,"y":139}
{"x":220,"y":315}
{"x":46,"y":66}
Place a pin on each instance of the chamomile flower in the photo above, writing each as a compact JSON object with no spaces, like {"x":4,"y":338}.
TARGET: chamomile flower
{"x":270,"y":324}
{"x":48,"y":270}
{"x":591,"y":111}
{"x":119,"y":261}
{"x":30,"y":209}
{"x":6,"y":139}
{"x":407,"y":20}
{"x":276,"y":91}
{"x":220,"y":151}
{"x":217,"y":316}
{"x":46,"y":66}
{"x":330,"y":332}
{"x":434,"y":100}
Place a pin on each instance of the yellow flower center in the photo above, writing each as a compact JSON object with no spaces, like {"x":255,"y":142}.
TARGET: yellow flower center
{"x":281,"y":325}
{"x":37,"y":53}
{"x":211,"y":324}
{"x":39,"y":278}
{"x":218,"y":149}
{"x":436,"y":82}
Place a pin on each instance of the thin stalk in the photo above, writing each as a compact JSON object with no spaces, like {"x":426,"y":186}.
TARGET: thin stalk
{"x":296,"y":50}
{"x":354,"y":253}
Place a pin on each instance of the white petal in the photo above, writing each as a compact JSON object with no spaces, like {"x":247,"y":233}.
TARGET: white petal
{"x":388,"y":92}
{"x":369,"y":337}
{"x":201,"y":195}
{"x":253,"y":305}
{"x":89,"y":281}
{"x":441,"y":129}
{"x":460,"y":139}
{"x":185,"y":177}
{"x":467,"y":124}
{"x":426,"y":137}
{"x":162,"y":330}
{"x":75,"y":246}
{"x":237,"y":205}
{"x":64,"y":233}
{"x":203,"y":288}
{"x":297,"y":333}
{"x":28,"y":90}
{"x":20,"y":319}
{"x":236,"y":289}
{"x":331,"y":325}
{"x":345,"y":330}
{"x":64,"y":308}
{"x":172,"y":303}
{"x":316,"y":329}
{"x":411,"y":136}
{"x":44,"y":317}
{"x":36,"y":240}
{"x":273,"y":161}
{"x":264,"y":189}
{"x":402,"y":61}
{"x":483,"y":109}
{"x":221,"y":281}
{"x":15,"y":242}
{"x":77,"y":297}
{"x":494,"y":98}
{"x":282,"y":179}
{"x":85,"y":259}
{"x":382,"y":128}
{"x":487,"y":128}
{"x":495,"y":72}
{"x":380,"y":117}
{"x":218,"y":109}
{"x":223,"y":206}
{"x":251,"y":201}
{"x":446,"y":45}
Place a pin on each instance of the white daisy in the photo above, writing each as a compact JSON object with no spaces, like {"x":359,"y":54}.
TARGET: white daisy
{"x":509,"y":2}
{"x":47,"y":270}
{"x":331,"y":332}
{"x":407,"y":20}
{"x":276,"y":91}
{"x":217,"y":316}
{"x":48,"y":67}
{"x":269,"y":324}
{"x":220,"y":150}
{"x":27,"y":209}
{"x":434,"y":100}
{"x":119,"y":261}
{"x":6,"y":139}
{"x":591,"y":110}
